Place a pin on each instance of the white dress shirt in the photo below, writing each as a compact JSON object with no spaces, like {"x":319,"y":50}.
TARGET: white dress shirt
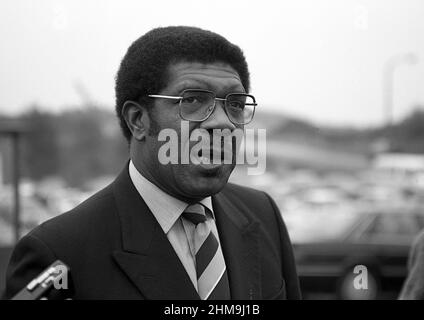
{"x":167,"y":211}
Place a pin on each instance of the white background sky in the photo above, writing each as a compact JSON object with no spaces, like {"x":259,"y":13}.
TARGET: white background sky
{"x":321,"y":60}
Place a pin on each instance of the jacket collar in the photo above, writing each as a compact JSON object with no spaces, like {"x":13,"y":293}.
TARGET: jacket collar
{"x":240,"y":245}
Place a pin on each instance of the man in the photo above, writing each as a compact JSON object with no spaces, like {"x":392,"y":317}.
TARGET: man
{"x":413,"y":288}
{"x":170,"y":231}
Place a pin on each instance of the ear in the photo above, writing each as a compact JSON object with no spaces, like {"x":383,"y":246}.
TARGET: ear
{"x":136,"y":118}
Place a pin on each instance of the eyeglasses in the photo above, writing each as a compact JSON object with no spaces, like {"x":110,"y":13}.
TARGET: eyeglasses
{"x":197,"y":105}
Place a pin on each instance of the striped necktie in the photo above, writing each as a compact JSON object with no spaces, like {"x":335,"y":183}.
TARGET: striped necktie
{"x":212,"y":279}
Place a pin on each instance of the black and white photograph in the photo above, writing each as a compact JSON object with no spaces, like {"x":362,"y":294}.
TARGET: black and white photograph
{"x":212,"y":150}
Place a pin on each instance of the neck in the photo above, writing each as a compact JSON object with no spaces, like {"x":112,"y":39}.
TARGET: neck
{"x":146,"y":172}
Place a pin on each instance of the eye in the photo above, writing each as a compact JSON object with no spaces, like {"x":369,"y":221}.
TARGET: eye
{"x":236,"y":105}
{"x":194,"y":99}
{"x":190,"y":100}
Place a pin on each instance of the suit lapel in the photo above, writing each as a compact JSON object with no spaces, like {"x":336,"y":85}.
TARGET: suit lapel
{"x":239,"y":238}
{"x":147,"y":258}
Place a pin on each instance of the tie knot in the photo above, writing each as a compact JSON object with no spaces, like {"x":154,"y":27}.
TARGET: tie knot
{"x":195,"y":213}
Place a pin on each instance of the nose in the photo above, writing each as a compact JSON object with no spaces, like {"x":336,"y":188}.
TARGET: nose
{"x":218,"y":119}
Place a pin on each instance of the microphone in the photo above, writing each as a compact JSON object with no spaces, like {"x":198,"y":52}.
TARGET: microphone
{"x":50,"y":284}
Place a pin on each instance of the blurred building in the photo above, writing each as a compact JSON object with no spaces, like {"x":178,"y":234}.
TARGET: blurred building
{"x":400,"y":162}
{"x":405,"y":167}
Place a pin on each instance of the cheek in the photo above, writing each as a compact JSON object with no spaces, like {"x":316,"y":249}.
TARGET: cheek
{"x":171,"y":114}
{"x":165,"y":117}
{"x":184,"y":130}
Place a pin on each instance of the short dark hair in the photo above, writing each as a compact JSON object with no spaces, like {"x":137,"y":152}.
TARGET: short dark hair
{"x":143,"y":69}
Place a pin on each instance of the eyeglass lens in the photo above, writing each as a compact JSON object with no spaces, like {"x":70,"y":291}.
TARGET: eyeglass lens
{"x":197,"y":105}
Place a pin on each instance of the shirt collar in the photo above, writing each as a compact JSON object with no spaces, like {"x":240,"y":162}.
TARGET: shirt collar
{"x":164,"y":207}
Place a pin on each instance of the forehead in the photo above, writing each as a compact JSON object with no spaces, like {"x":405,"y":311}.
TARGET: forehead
{"x":212,"y":76}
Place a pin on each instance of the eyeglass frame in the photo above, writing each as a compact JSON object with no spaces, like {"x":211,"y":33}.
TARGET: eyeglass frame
{"x":214,"y":105}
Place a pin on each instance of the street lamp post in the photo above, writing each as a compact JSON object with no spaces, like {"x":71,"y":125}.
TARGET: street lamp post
{"x":388,"y":82}
{"x":14,"y":131}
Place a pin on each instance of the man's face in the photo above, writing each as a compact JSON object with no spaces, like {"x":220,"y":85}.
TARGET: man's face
{"x":190,"y":181}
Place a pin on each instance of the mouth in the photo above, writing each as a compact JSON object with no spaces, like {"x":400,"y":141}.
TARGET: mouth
{"x":211,"y":158}
{"x":212,"y":155}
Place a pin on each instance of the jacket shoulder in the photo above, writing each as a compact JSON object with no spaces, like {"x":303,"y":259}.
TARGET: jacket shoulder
{"x":254,"y":202}
{"x":252,"y":198}
{"x":236,"y":190}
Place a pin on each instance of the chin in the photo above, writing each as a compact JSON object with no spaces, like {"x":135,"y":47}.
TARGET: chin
{"x":197,"y":182}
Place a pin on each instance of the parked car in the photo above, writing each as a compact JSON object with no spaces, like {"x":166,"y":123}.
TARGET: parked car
{"x":377,"y":239}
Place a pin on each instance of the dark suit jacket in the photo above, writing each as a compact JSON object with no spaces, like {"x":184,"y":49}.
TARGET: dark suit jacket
{"x":116,"y":249}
